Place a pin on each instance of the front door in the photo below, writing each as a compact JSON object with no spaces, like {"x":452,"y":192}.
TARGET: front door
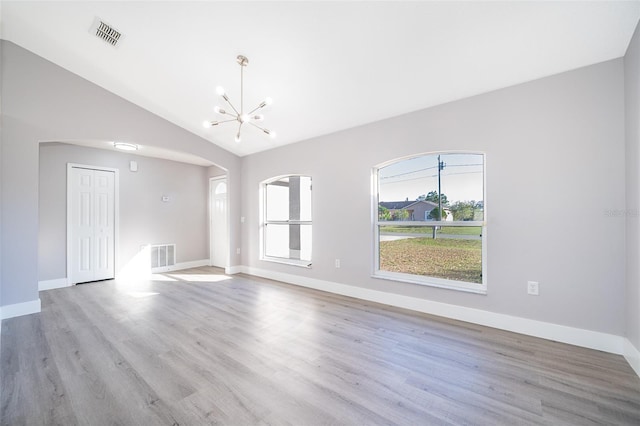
{"x":219,"y":244}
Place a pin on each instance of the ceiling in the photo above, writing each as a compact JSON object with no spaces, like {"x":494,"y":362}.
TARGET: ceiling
{"x":327,"y":65}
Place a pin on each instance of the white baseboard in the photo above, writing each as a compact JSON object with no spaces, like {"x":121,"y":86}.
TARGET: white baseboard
{"x":53,"y":284}
{"x":180,"y":266}
{"x":632,"y":355}
{"x":19,"y":309}
{"x":560,"y":333}
{"x":232,"y":270}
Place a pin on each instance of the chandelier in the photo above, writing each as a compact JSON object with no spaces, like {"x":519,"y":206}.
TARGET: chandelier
{"x":240,"y":116}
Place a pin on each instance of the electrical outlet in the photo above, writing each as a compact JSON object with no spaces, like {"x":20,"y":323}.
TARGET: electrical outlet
{"x":237,"y":251}
{"x":337,"y":263}
{"x":533,"y":288}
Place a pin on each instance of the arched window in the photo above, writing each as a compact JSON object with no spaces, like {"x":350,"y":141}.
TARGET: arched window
{"x":286,"y":225}
{"x":431,"y":222}
{"x":221,"y":188}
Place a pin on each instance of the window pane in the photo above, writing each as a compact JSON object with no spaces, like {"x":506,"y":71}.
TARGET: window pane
{"x":409,"y":189}
{"x":277,"y":200}
{"x":305,"y":242}
{"x":288,"y":241}
{"x":305,"y":198}
{"x":455,"y":253}
{"x":277,"y":241}
{"x":289,"y":198}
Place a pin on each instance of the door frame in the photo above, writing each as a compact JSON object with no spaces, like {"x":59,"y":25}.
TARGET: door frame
{"x":212,"y":182}
{"x":116,"y":220}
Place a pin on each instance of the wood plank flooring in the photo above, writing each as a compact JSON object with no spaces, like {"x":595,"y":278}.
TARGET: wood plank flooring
{"x":197,"y":347}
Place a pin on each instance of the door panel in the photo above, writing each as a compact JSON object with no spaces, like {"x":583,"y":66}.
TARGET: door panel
{"x":91,"y":225}
{"x":104,"y":229}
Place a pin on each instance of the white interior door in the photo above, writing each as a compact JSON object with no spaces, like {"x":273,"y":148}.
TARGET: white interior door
{"x":91,"y":225}
{"x":219,"y":240}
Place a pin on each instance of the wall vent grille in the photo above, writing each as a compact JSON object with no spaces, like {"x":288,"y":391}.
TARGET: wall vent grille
{"x":163,"y":256}
{"x":106,"y":32}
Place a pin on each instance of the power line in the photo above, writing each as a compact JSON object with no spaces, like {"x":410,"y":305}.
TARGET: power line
{"x":427,"y":177}
{"x":408,"y":173}
{"x":428,"y":168}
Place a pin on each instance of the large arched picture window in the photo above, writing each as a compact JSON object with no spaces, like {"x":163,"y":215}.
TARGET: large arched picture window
{"x":286,"y":225}
{"x":430,"y":226}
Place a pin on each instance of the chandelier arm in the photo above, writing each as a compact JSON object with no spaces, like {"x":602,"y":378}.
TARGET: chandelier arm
{"x":258,"y":127}
{"x":226,"y":98}
{"x":223,"y":121}
{"x":259,"y":107}
{"x":239,"y":130}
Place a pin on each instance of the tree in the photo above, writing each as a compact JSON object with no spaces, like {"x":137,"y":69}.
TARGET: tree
{"x":433,"y":197}
{"x":433,"y":214}
{"x":383,"y":213}
{"x":400,"y":215}
{"x":464,"y":210}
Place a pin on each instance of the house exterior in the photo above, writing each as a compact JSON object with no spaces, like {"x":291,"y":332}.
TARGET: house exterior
{"x":415,"y":210}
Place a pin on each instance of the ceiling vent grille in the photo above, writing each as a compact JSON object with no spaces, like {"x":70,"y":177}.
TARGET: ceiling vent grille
{"x":106,"y":32}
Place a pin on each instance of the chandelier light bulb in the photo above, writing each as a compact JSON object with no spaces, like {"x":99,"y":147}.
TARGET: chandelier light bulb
{"x":244,"y":118}
{"x":258,"y":117}
{"x":272,"y":135}
{"x":237,"y":138}
{"x":268,"y":101}
{"x":219,"y":110}
{"x":206,"y":124}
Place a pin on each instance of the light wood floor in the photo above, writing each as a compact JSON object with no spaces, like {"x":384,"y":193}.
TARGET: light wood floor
{"x":210,"y":349}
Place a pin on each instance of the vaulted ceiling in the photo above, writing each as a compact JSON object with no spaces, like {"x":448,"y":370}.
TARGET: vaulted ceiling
{"x":327,"y":65}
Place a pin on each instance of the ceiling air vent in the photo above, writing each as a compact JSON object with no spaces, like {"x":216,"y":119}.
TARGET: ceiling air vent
{"x":106,"y":32}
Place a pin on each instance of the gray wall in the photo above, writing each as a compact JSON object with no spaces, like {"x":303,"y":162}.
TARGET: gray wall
{"x":1,"y":133}
{"x":554,"y":156}
{"x":555,"y":144}
{"x":43,"y":102}
{"x":214,"y":171}
{"x":144,"y":217}
{"x":632,"y":109}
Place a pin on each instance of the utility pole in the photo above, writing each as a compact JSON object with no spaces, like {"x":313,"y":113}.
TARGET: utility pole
{"x":441,"y":166}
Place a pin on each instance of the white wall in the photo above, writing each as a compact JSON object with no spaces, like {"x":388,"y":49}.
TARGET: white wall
{"x":632,"y":213}
{"x":144,"y":217}
{"x":43,"y":102}
{"x":555,"y":144}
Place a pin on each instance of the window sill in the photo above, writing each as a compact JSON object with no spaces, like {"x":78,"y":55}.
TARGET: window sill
{"x":292,"y":262}
{"x":432,"y":282}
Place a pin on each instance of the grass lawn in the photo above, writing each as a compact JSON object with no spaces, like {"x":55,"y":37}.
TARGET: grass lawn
{"x":459,"y":260}
{"x":451,"y":230}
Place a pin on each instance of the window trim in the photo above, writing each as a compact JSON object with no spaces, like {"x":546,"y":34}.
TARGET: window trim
{"x":420,"y":279}
{"x":263,"y":224}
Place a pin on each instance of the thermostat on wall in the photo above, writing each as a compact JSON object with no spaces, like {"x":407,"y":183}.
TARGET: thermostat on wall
{"x":165,"y":198}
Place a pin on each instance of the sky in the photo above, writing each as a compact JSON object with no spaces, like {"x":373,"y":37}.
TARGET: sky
{"x":461,"y":178}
